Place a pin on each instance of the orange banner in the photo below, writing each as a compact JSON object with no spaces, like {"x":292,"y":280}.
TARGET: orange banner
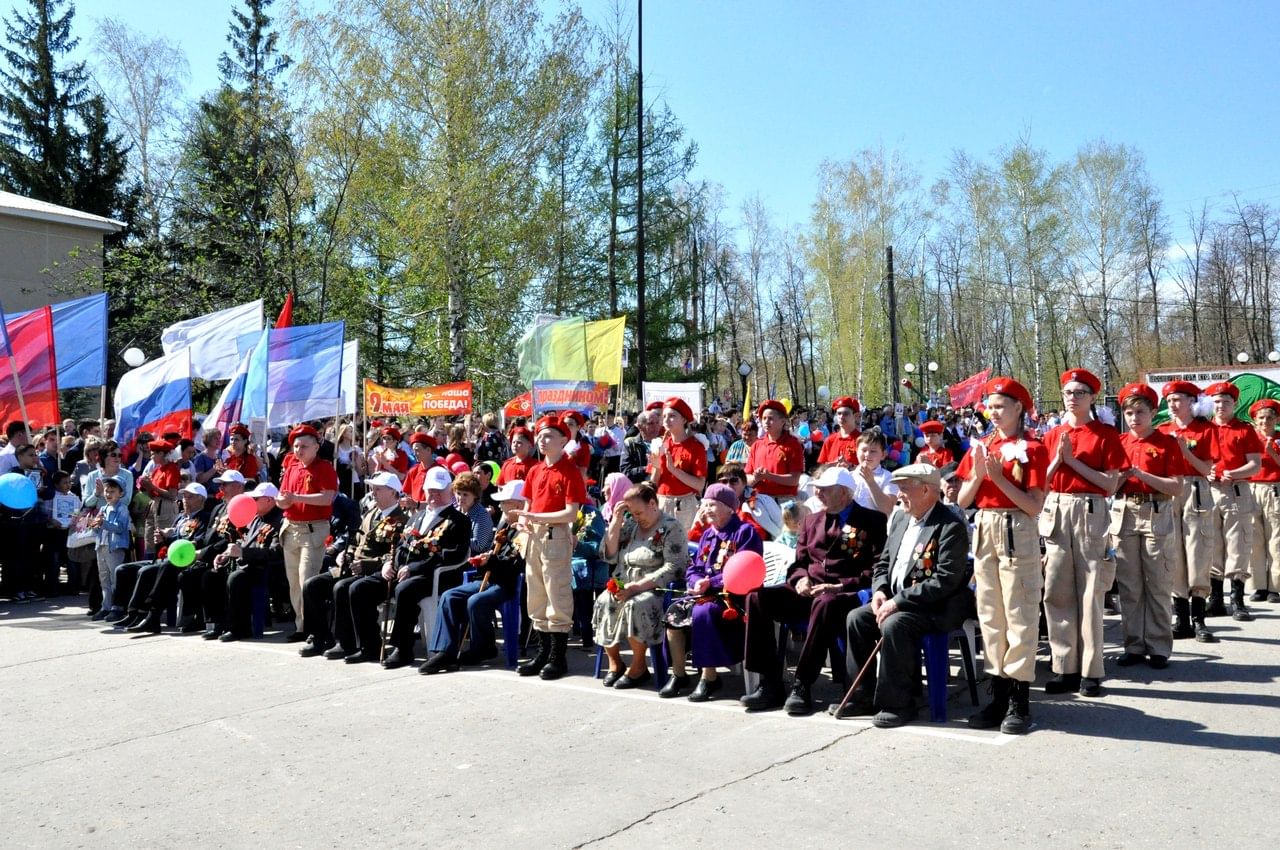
{"x":444,"y":400}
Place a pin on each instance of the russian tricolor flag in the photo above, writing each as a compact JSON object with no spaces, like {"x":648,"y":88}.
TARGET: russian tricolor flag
{"x":155,"y":397}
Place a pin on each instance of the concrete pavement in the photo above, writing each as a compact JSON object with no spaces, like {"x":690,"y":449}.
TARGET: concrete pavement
{"x":171,"y":741}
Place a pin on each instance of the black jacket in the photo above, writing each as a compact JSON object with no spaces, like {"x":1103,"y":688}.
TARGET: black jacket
{"x":445,"y":543}
{"x":635,"y":460}
{"x":937,"y":580}
{"x":260,"y":546}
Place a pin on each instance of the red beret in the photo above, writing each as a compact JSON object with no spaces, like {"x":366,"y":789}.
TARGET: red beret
{"x":771,"y":404}
{"x":846,"y":401}
{"x":1264,"y":404}
{"x":160,"y":446}
{"x":392,"y":432}
{"x":1001,"y":385}
{"x":303,"y":431}
{"x":1082,"y":376}
{"x":1138,"y":390}
{"x":933,"y":426}
{"x":1181,"y":387}
{"x":521,"y":431}
{"x":238,"y":430}
{"x":574,"y":415}
{"x":551,"y":422}
{"x":423,"y":438}
{"x":653,"y":405}
{"x":680,"y":406}
{"x":1220,"y":388}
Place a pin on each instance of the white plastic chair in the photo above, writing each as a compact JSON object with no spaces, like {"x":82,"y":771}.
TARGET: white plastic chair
{"x":778,"y":560}
{"x":428,"y":606}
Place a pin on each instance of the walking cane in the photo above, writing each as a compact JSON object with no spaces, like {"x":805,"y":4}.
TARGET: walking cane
{"x":386,"y":618}
{"x":866,"y":665}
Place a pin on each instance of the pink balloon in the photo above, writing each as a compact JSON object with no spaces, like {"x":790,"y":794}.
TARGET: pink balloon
{"x":459,"y":467}
{"x":743,"y":572}
{"x":241,"y":510}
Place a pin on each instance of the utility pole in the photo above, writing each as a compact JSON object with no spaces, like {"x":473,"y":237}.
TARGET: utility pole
{"x":642,"y":358}
{"x":893,"y":323}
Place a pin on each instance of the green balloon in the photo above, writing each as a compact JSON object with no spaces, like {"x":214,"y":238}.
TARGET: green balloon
{"x":182,"y":554}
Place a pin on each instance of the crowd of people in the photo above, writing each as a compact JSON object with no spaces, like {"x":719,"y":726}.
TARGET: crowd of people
{"x":616,"y":531}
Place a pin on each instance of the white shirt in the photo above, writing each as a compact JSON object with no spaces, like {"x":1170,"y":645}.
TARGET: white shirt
{"x":902,"y":562}
{"x":8,"y":458}
{"x":862,"y":493}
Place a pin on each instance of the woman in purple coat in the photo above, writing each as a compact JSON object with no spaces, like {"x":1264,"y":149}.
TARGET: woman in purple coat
{"x":710,"y":616}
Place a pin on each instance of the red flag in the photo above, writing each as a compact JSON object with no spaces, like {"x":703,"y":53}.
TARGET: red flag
{"x":968,"y":391}
{"x":286,"y":313}
{"x":521,"y":405}
{"x":31,"y":338}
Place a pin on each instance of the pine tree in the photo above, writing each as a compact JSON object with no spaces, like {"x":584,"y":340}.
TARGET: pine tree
{"x":56,"y":144}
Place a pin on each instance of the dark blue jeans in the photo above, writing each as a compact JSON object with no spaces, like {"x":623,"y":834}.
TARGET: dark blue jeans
{"x":464,"y":605}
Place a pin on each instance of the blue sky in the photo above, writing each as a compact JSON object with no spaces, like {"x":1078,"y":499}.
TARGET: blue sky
{"x":771,"y":89}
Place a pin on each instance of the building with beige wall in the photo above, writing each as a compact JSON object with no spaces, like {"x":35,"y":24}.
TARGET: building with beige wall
{"x":48,"y":253}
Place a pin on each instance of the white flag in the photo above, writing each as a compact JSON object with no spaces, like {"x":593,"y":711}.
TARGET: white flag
{"x":212,"y":339}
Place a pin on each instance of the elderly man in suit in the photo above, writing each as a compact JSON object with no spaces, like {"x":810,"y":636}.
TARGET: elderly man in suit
{"x":920,"y":585}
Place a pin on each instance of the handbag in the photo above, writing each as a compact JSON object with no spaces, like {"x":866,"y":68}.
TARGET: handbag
{"x":81,"y":533}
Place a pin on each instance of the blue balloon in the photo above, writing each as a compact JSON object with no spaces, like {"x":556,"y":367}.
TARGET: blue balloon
{"x":17,"y":491}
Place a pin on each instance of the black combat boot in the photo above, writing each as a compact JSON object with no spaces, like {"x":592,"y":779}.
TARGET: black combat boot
{"x":1215,"y":608}
{"x":991,"y":716}
{"x":1018,"y":720}
{"x":556,"y":665}
{"x":1182,"y":619}
{"x":1239,"y":612}
{"x":534,"y":665}
{"x":1203,"y":635}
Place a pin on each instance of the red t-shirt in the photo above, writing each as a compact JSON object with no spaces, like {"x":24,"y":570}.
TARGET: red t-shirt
{"x":413,"y":481}
{"x":840,"y":449}
{"x":1095,"y":445}
{"x":550,"y":488}
{"x":246,"y":464}
{"x":1201,"y":436}
{"x":166,"y":477}
{"x":688,"y":456}
{"x":1157,"y":454}
{"x":784,"y":457}
{"x":1025,"y":476}
{"x":939,"y":457}
{"x":308,"y":480}
{"x":1270,"y":472}
{"x":516,"y":469}
{"x":1235,"y":441}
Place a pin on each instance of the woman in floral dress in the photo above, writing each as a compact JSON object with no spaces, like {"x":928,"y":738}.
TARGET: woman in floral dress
{"x":649,"y":551}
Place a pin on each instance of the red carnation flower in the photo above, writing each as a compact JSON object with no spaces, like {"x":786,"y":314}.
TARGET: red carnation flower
{"x":612,"y":586}
{"x":730,"y":614}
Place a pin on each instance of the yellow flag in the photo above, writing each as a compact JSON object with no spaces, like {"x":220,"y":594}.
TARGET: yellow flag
{"x":746,"y":405}
{"x":603,"y":348}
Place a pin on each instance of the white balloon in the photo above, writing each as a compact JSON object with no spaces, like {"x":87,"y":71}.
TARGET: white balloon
{"x":135,"y":357}
{"x":824,"y":392}
{"x":920,"y":441}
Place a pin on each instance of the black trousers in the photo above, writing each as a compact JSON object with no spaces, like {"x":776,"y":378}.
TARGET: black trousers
{"x":898,"y":681}
{"x":408,"y":594}
{"x":824,"y":614}
{"x":228,"y":598}
{"x":191,"y":586}
{"x":327,"y":606}
{"x":155,"y":586}
{"x":213,"y":593}
{"x":126,"y":582}
{"x":365,"y":594}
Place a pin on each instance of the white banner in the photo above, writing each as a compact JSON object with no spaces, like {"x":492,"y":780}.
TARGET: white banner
{"x":1255,"y":381}
{"x":691,"y":393}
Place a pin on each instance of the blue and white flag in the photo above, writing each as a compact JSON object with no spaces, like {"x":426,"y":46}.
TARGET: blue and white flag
{"x":212,"y":339}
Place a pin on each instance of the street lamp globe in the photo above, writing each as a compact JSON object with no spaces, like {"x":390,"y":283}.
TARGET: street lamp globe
{"x":910,"y":368}
{"x":744,"y":368}
{"x":933,"y":365}
{"x":1242,"y":357}
{"x":1273,"y":356}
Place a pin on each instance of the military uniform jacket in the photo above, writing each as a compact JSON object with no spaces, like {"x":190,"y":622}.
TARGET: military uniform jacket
{"x":445,"y":542}
{"x":260,"y":545}
{"x":377,"y":537}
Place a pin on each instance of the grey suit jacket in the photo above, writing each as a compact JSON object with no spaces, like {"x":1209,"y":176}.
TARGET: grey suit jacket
{"x":937,"y":580}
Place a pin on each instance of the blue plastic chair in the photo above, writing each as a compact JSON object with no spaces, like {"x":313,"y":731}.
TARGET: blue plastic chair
{"x":259,"y":602}
{"x":511,"y":612}
{"x":657,"y":653}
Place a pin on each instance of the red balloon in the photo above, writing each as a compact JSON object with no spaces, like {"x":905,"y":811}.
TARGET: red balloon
{"x":241,"y":510}
{"x":744,"y":572}
{"x":459,"y":467}
{"x":452,"y":459}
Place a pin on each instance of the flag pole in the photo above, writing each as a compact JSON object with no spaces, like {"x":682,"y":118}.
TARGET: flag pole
{"x":22,"y":402}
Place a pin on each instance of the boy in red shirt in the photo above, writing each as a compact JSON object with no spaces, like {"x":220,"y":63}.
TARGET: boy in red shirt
{"x":523,"y":458}
{"x":556,"y":490}
{"x":1239,"y":459}
{"x":1143,"y":530}
{"x":1265,"y":563}
{"x":934,"y":452}
{"x":1195,"y":544}
{"x":308,"y":486}
{"x":842,"y":446}
{"x":161,"y":484}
